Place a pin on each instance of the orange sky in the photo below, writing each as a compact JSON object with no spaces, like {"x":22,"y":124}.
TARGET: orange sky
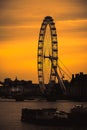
{"x":20,"y":22}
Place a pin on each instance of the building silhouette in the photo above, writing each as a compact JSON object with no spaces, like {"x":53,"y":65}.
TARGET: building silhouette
{"x":78,"y":86}
{"x":76,"y":89}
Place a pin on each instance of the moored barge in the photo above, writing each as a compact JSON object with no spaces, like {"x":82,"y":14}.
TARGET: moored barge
{"x":51,"y":116}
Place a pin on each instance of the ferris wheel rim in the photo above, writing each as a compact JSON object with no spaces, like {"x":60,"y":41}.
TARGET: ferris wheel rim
{"x":48,"y":20}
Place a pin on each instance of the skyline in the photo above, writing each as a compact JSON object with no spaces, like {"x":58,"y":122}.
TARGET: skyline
{"x":20,"y":23}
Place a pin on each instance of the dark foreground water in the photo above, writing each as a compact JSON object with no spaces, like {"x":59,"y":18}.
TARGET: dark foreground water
{"x":10,"y":114}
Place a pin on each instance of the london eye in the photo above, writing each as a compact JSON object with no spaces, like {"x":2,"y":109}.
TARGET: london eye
{"x":47,"y":53}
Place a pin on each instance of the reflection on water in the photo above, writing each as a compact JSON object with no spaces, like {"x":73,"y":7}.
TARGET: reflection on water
{"x":10,"y":114}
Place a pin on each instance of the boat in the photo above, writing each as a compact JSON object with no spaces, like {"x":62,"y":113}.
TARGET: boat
{"x":43,"y":116}
{"x":78,"y":115}
{"x":51,"y":116}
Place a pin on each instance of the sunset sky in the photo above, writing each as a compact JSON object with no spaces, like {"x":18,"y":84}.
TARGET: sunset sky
{"x":20,"y":22}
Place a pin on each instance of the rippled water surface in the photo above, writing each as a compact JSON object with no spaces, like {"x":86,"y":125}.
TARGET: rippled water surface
{"x":10,"y":114}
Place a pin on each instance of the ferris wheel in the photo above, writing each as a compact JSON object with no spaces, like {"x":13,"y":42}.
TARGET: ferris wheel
{"x":47,"y":53}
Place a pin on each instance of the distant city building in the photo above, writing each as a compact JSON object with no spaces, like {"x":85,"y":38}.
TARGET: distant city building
{"x":78,"y":86}
{"x":75,"y":89}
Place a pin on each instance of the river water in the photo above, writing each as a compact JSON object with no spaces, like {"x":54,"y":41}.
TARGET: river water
{"x":10,"y":114}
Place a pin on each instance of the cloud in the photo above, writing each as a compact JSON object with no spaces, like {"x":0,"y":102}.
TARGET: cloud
{"x":31,"y":13}
{"x":21,"y":12}
{"x":18,"y":33}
